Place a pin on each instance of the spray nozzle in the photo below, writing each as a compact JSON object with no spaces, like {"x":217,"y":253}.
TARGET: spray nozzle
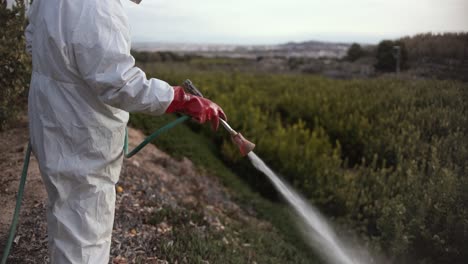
{"x":244,"y":145}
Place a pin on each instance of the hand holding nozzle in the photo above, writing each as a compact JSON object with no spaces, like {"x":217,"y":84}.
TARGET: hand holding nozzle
{"x":199,"y":108}
{"x":244,"y":145}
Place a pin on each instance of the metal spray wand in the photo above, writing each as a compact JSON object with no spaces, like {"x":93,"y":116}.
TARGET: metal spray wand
{"x":244,"y":145}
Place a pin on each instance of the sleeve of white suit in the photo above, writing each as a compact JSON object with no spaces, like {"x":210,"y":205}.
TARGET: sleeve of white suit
{"x":102,"y":53}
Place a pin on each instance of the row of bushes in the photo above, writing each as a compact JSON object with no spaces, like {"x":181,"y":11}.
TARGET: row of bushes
{"x":159,"y":56}
{"x":444,"y":48}
{"x":439,"y":47}
{"x":384,"y":157}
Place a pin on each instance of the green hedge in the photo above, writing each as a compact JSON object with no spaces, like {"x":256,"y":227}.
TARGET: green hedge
{"x":385,"y":157}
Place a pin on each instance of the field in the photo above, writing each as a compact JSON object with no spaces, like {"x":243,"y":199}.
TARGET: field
{"x":384,"y":158}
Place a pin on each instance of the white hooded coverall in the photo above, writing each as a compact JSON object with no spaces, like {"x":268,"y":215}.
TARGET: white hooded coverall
{"x":83,"y":83}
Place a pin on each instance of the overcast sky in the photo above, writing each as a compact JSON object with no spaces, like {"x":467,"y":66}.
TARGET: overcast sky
{"x":278,"y":21}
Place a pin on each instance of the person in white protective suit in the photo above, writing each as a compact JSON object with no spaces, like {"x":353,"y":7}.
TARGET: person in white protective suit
{"x":83,"y":85}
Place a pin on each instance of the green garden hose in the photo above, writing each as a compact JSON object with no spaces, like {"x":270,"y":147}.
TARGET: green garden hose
{"x":151,"y":137}
{"x":19,"y":198}
{"x":18,"y":205}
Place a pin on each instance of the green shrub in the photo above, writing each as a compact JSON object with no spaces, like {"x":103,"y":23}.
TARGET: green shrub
{"x":14,"y":62}
{"x":354,"y":52}
{"x":385,"y":157}
{"x":386,"y":56}
{"x":437,"y":47}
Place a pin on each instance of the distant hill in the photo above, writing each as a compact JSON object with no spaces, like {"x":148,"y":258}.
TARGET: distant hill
{"x":309,"y":49}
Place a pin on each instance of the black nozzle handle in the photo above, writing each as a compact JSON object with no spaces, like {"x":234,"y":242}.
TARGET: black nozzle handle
{"x":190,"y":88}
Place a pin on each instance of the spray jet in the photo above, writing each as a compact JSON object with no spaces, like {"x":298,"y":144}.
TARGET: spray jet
{"x":244,"y":145}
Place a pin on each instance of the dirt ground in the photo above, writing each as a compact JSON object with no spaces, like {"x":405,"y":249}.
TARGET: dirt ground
{"x":13,"y":145}
{"x":149,"y":181}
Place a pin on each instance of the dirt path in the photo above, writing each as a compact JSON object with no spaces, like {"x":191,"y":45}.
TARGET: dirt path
{"x":150,"y":182}
{"x":13,"y":145}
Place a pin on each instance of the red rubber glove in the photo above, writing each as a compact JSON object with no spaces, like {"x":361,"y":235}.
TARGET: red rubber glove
{"x":199,"y":108}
